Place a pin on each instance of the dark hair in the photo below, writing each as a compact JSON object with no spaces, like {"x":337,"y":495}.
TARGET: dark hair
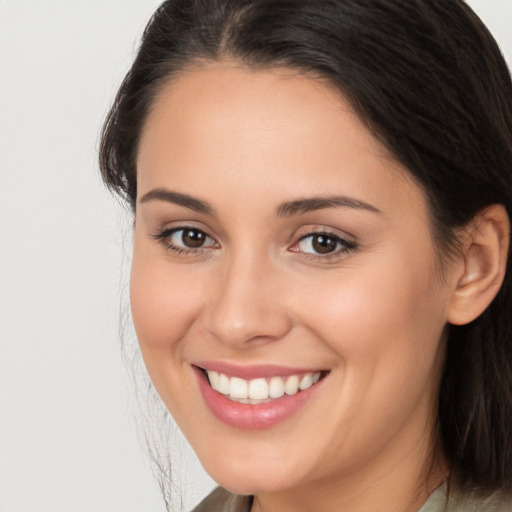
{"x":429,"y":81}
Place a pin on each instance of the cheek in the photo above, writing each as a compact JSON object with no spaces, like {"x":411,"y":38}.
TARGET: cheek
{"x":384,"y":325}
{"x":385,"y":333}
{"x":164,"y":302}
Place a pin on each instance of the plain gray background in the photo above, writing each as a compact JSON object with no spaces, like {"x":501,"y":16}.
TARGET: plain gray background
{"x":68,"y":440}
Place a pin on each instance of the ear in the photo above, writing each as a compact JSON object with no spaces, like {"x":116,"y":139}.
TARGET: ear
{"x":482,"y":266}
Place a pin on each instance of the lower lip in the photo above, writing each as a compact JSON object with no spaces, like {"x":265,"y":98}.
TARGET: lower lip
{"x":249,"y":416}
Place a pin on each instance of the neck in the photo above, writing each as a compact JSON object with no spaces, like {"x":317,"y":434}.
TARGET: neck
{"x":399,"y":484}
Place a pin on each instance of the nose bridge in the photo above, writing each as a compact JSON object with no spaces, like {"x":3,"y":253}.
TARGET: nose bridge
{"x":247,"y":304}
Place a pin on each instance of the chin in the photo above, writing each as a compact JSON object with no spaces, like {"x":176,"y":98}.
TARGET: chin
{"x":246,"y":477}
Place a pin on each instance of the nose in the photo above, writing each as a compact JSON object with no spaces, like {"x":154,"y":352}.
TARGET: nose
{"x":248,"y":307}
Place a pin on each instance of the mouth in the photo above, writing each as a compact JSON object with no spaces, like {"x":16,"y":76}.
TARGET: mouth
{"x":267,"y":396}
{"x":261,"y":390}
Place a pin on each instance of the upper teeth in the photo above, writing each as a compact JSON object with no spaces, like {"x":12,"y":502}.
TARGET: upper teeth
{"x":260,"y":390}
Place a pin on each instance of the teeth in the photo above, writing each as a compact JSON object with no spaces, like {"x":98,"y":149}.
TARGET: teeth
{"x":276,"y":387}
{"x":250,"y":400}
{"x":238,"y":388}
{"x":223,"y":384}
{"x":257,"y":391}
{"x":258,"y":388}
{"x":214,"y":379}
{"x":306,"y":382}
{"x":291,"y":386}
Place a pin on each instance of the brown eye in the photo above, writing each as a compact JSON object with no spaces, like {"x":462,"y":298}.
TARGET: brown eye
{"x":186,"y":239}
{"x":324,"y":244}
{"x":193,"y":238}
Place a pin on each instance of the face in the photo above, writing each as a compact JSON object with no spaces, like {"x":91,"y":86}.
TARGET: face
{"x":276,"y":248}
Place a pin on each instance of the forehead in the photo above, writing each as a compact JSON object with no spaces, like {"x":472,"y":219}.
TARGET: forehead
{"x":261,"y":102}
{"x":272,"y":131}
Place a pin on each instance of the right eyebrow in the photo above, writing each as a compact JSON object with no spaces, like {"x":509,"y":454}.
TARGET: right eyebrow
{"x":163,"y":194}
{"x":309,"y":204}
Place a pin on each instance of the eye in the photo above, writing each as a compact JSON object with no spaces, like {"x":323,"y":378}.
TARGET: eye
{"x":189,"y":238}
{"x":322,"y":244}
{"x":185,"y":239}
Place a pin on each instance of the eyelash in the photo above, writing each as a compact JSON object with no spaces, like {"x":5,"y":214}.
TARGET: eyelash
{"x":164,"y":236}
{"x":342,"y":246}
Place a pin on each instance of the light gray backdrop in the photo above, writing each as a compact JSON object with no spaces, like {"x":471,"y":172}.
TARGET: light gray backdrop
{"x":67,"y":438}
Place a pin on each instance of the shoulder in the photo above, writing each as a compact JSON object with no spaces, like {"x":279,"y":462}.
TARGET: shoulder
{"x":465,"y":502}
{"x":220,"y":500}
{"x":476,"y":503}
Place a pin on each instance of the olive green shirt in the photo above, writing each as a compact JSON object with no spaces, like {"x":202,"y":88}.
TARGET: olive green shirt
{"x":221,"y":500}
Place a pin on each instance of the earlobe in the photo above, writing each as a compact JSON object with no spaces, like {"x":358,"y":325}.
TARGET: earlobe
{"x":484,"y":260}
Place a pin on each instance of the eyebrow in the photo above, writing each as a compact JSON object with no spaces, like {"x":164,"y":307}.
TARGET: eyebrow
{"x":162,"y":194}
{"x":287,"y":209}
{"x":319,"y":203}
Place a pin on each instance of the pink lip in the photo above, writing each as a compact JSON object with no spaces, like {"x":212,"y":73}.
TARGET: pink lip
{"x":249,"y":372}
{"x":247,"y":416}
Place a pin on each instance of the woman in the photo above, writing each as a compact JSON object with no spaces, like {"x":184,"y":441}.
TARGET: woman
{"x":320,"y":282}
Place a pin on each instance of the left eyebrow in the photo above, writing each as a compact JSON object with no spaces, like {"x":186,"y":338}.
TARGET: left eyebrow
{"x":310,"y":204}
{"x":169,"y":196}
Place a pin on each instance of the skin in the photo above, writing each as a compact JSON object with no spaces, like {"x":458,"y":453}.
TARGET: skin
{"x":373,"y":313}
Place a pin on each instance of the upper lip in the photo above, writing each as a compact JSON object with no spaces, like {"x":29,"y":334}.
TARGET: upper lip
{"x":253,"y":371}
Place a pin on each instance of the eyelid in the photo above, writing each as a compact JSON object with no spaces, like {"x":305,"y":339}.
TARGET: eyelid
{"x":167,"y":227}
{"x":348,"y":243}
{"x":344,"y":243}
{"x":313,"y":229}
{"x":162,"y":235}
{"x":174,"y":231}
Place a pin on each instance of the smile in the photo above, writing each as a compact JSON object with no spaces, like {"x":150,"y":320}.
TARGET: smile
{"x":257,"y":391}
{"x":265,"y":398}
